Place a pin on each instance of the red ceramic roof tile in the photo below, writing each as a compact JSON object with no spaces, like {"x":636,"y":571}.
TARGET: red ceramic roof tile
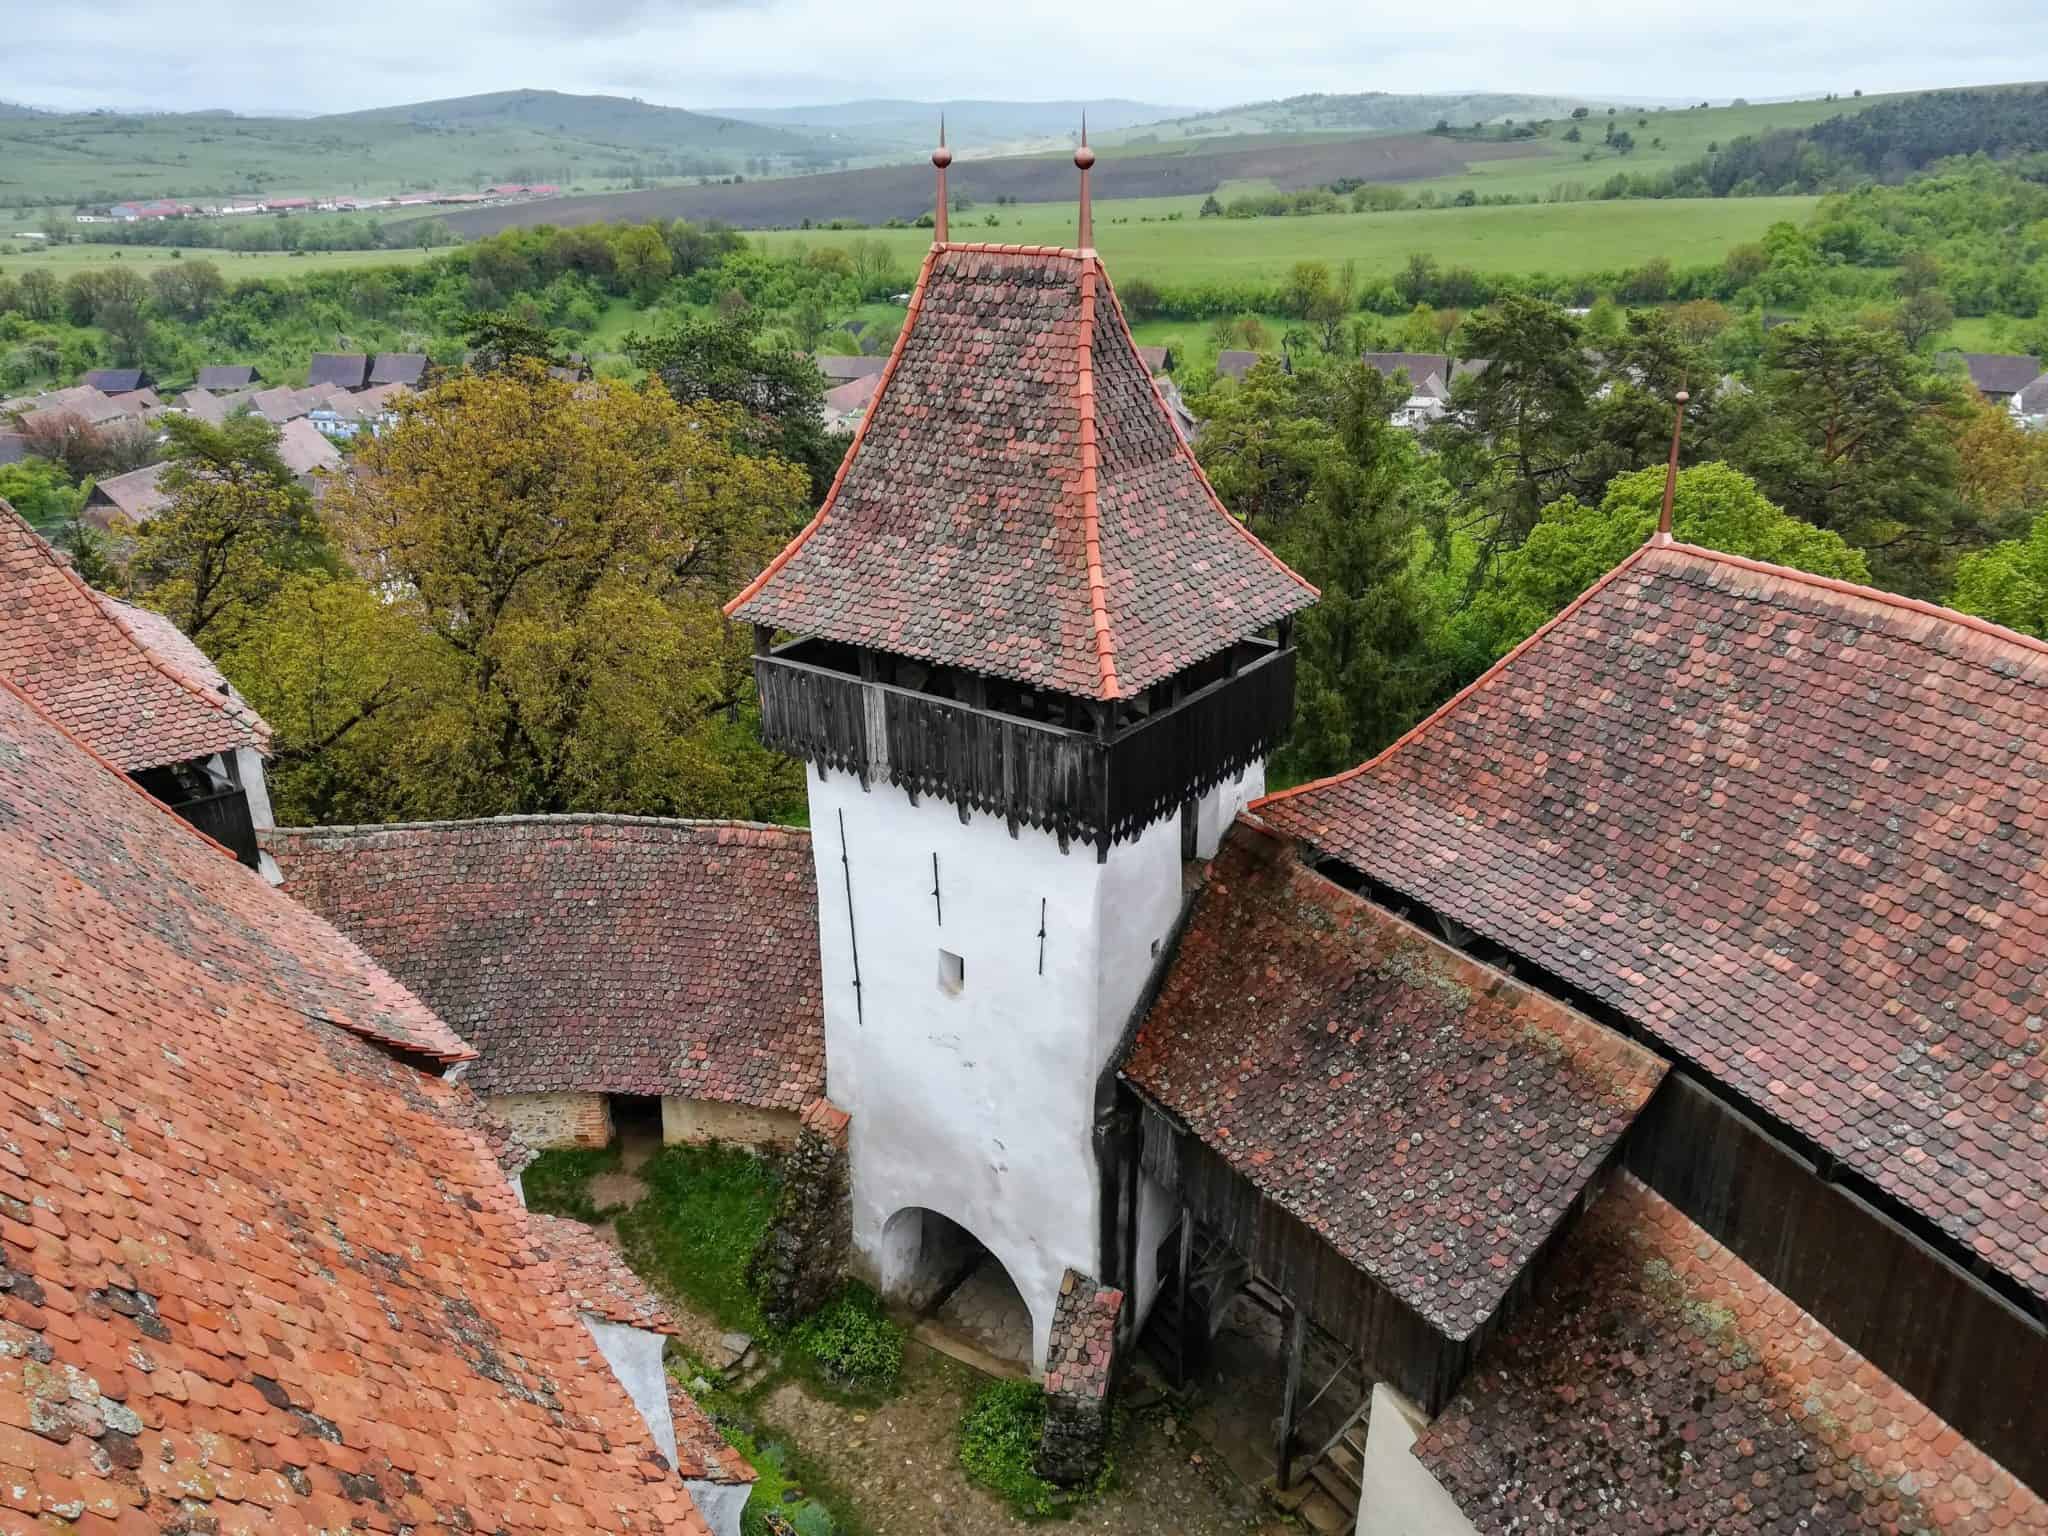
{"x":597,"y":1277}
{"x":595,"y":953}
{"x":1017,"y":501}
{"x":1663,"y":1386}
{"x":702,"y":1454}
{"x":1792,"y":828}
{"x":1081,"y":1346}
{"x":256,"y":1274}
{"x":1432,"y":1120}
{"x":96,"y":674}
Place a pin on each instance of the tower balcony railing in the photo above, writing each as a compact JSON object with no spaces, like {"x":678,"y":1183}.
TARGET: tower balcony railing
{"x":1098,"y":785}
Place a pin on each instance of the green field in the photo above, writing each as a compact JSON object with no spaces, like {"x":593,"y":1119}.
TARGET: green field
{"x":63,"y":260}
{"x":1561,"y":239}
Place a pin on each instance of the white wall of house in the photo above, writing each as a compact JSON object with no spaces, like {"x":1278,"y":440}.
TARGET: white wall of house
{"x":634,"y":1354}
{"x":256,"y":789}
{"x":979,"y":1103}
{"x":1157,"y":1209}
{"x":719,"y":1503}
{"x":1400,"y":1497}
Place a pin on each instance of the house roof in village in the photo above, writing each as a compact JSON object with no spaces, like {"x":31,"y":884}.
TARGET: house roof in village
{"x":597,"y":1277}
{"x":1791,"y":828}
{"x":1235,"y":363}
{"x":1999,"y":373}
{"x":836,"y":366}
{"x":224,"y":376}
{"x":97,"y":674}
{"x":13,"y":447}
{"x":256,"y":1270}
{"x":1662,"y":1385}
{"x":349,"y":370}
{"x":114,"y":381}
{"x":82,"y":401}
{"x":1432,"y":1120}
{"x":1156,"y":359}
{"x":1018,"y":503}
{"x":135,"y":496}
{"x":398,"y":368}
{"x":847,"y":399}
{"x":595,"y":953}
{"x":303,"y":449}
{"x":205,"y":404}
{"x":702,"y":1454}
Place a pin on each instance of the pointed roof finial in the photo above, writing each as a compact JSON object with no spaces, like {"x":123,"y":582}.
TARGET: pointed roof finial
{"x":1671,"y":471}
{"x":941,"y":158}
{"x":1084,"y":157}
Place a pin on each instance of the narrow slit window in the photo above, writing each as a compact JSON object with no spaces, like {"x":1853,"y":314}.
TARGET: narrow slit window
{"x":952,"y":972}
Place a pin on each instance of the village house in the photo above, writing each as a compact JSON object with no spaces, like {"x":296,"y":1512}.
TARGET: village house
{"x":305,"y":450}
{"x":131,"y":498}
{"x":398,"y":368}
{"x":118,"y":381}
{"x":613,"y":972}
{"x":343,"y":370}
{"x":259,"y":1268}
{"x":1235,"y":363}
{"x":1997,"y":376}
{"x":223,"y":378}
{"x":840,"y":369}
{"x":845,"y":404}
{"x":134,"y":690}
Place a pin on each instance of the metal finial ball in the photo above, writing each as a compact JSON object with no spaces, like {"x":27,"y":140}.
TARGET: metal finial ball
{"x":1084,"y":157}
{"x":942,"y":157}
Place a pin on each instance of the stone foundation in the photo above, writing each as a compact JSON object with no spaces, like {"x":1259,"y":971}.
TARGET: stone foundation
{"x":1080,"y":1366}
{"x":739,"y":1125}
{"x":802,"y":1258}
{"x":538,"y":1121}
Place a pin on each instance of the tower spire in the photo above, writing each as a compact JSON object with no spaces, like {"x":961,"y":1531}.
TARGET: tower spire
{"x":1671,"y":471}
{"x":941,"y":158}
{"x":1084,"y":157}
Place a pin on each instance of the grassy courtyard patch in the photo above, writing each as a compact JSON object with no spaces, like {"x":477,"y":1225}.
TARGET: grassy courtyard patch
{"x":705,"y":1211}
{"x":557,"y":1183}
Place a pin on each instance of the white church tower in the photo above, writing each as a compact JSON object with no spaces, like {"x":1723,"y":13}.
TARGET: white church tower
{"x":1033,"y":666}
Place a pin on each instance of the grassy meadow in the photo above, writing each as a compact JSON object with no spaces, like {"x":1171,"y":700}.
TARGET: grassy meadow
{"x":1561,"y":238}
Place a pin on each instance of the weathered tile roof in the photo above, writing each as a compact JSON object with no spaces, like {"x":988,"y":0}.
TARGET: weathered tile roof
{"x":99,"y":677}
{"x":1081,"y":1344}
{"x":1432,"y":1120}
{"x":349,"y":370}
{"x":216,"y":377}
{"x":1017,"y":501}
{"x":597,"y":1277}
{"x":1790,"y":827}
{"x":398,"y":368}
{"x":256,"y":1273}
{"x":135,"y":496}
{"x":1235,"y":363}
{"x":1663,"y":1386}
{"x":702,"y":1454}
{"x":1999,"y":373}
{"x":114,"y":381}
{"x":835,"y":366}
{"x":597,"y":953}
{"x":303,"y":449}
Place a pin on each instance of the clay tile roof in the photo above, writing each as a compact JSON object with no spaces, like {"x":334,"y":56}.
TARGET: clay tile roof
{"x":1661,"y":1385}
{"x":1017,"y":501}
{"x":843,"y":368}
{"x":702,"y":1454}
{"x":2000,"y":373}
{"x":1790,"y":827}
{"x":398,"y":368}
{"x":304,"y":449}
{"x":1432,"y":1120}
{"x":1235,"y":363}
{"x":135,"y":496}
{"x":597,"y":1277}
{"x":348,"y":370}
{"x":597,"y":953}
{"x":119,"y":381}
{"x":255,"y":1272}
{"x":98,"y":675}
{"x":218,"y":377}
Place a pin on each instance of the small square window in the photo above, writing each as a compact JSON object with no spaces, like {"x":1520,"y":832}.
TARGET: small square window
{"x":952,"y":972}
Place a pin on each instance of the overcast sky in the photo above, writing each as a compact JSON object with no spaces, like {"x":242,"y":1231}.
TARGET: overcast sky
{"x":258,"y":55}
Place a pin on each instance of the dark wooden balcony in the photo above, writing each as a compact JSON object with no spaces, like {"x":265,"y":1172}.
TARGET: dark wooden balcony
{"x":1036,"y":765}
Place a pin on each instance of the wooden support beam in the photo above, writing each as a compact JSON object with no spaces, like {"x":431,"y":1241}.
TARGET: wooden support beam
{"x":1187,"y":1255}
{"x":1297,"y":1343}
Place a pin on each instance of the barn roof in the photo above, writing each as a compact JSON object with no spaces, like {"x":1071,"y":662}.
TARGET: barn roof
{"x":398,"y":368}
{"x":97,"y":674}
{"x":1789,"y":827}
{"x":1999,"y":373}
{"x":256,"y":1270}
{"x":592,"y":953}
{"x":347,"y":370}
{"x":1432,"y":1120}
{"x":134,"y":496}
{"x":219,"y":377}
{"x":1018,"y":503}
{"x":1662,"y":1385}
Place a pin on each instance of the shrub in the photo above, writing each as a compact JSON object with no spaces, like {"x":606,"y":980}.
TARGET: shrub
{"x":853,"y":1341}
{"x":999,"y":1444}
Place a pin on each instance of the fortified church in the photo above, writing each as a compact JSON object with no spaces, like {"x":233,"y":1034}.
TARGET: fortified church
{"x":1626,"y":1097}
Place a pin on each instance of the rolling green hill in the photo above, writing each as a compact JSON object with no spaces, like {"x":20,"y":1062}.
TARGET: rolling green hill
{"x":1365,"y":112}
{"x":593,"y":142}
{"x":907,"y":127}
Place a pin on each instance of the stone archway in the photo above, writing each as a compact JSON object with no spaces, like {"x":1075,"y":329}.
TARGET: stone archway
{"x":946,"y":1274}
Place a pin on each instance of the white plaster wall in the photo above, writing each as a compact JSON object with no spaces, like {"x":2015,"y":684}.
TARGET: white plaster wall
{"x":249,"y":765}
{"x":634,"y":1354}
{"x":1156,"y":1208}
{"x":742,"y":1125}
{"x":1216,"y":810}
{"x":719,"y":1503}
{"x":1400,"y":1497}
{"x":979,"y":1105}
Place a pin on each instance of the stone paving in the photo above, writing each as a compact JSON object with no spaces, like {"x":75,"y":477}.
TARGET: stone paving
{"x":986,"y":1308}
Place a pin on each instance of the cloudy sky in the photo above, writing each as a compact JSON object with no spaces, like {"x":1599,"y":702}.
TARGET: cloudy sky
{"x":258,"y":55}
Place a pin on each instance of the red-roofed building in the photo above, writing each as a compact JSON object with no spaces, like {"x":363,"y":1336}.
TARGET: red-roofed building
{"x":149,"y":703}
{"x":258,"y":1267}
{"x":596,"y":961}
